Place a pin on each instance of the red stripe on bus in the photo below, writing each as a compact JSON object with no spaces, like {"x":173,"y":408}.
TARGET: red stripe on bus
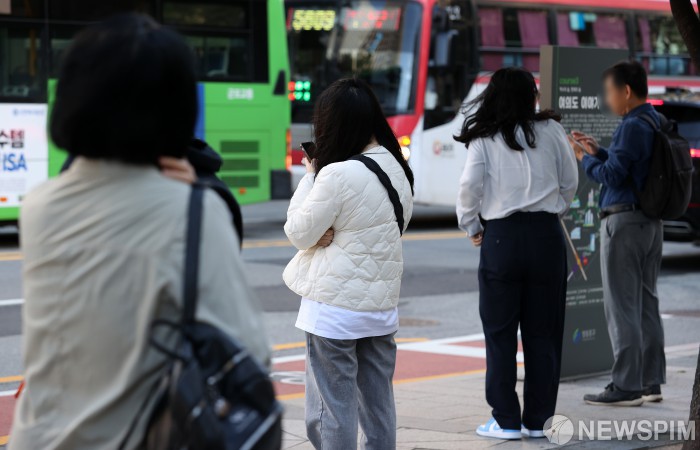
{"x":653,"y":81}
{"x":634,"y":5}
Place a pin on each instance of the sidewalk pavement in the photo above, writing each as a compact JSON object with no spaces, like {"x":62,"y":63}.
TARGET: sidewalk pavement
{"x":442,"y":412}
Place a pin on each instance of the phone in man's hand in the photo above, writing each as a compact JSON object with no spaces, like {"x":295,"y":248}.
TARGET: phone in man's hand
{"x":309,"y":148}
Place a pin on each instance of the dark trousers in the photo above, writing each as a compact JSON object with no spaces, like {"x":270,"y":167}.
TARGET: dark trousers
{"x":631,"y":245}
{"x":522,"y":282}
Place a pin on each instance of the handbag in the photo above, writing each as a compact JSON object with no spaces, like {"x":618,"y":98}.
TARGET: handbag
{"x":386,"y":182}
{"x":214,"y":394}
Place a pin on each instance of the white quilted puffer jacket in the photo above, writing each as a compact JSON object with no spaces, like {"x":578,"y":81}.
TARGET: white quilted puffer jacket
{"x":361,"y":270}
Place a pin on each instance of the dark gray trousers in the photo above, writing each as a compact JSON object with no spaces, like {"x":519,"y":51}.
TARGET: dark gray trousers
{"x":631,"y":246}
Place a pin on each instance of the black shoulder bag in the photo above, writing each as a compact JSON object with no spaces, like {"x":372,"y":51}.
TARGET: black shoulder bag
{"x":215,"y":395}
{"x":386,"y":182}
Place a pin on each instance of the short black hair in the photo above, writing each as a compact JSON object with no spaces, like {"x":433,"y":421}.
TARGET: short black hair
{"x":629,"y":73}
{"x":126,"y":91}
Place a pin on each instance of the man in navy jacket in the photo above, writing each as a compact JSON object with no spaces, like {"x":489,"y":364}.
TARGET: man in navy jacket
{"x":630,"y":242}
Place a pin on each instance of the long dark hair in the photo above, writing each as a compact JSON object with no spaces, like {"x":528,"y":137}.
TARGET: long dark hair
{"x":508,"y":102}
{"x":347,"y":116}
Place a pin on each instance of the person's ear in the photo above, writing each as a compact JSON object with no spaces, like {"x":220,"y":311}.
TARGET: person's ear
{"x":628,"y":92}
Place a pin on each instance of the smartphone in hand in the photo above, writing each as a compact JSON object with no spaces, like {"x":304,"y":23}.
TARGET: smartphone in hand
{"x":309,"y":148}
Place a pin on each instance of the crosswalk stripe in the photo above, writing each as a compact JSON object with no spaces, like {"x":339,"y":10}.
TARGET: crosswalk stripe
{"x":11,"y":302}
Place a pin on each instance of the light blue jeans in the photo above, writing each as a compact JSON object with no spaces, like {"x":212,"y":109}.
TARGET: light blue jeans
{"x":350,"y":382}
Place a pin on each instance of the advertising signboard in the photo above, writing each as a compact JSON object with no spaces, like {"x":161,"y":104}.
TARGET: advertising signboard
{"x":570,"y":84}
{"x":23,"y":150}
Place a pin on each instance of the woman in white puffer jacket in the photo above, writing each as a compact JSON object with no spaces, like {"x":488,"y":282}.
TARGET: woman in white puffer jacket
{"x":348,"y":269}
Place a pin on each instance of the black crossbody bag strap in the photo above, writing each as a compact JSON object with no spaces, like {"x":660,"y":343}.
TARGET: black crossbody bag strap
{"x":630,"y":181}
{"x":648,"y":119}
{"x":386,"y":182}
{"x":192,"y":241}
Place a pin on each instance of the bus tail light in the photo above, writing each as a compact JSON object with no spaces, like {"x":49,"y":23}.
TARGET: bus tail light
{"x":288,"y":155}
{"x":655,"y":102}
{"x":405,"y":143}
{"x":695,"y":153}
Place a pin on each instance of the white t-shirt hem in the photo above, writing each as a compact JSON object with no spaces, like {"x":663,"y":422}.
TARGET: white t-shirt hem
{"x":332,"y":322}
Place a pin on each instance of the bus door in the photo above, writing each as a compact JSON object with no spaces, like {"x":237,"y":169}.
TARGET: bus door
{"x":452,"y":68}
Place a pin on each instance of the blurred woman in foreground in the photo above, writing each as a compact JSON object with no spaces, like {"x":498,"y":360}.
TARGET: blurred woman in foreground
{"x":103,"y":243}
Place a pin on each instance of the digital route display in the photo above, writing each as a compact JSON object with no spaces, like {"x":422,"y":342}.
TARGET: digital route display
{"x":311,"y":19}
{"x":387,"y":19}
{"x":364,"y":18}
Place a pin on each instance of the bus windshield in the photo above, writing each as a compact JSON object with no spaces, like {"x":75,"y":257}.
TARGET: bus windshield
{"x":376,"y":41}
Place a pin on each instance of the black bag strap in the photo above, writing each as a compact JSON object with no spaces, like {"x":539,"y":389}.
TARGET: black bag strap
{"x":386,"y":182}
{"x":650,"y":120}
{"x":646,"y":117}
{"x":192,"y":241}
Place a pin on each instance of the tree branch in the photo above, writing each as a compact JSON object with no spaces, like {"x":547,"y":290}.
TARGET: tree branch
{"x":688,"y":23}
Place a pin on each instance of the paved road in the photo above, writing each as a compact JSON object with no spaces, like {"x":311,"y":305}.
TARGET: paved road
{"x":440,"y":271}
{"x":439,"y":298}
{"x":440,"y":262}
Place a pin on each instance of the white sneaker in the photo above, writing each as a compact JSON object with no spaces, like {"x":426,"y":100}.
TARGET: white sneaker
{"x":493,"y":430}
{"x":532,"y":434}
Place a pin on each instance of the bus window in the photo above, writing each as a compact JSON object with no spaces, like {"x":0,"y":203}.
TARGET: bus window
{"x":22,"y":77}
{"x":592,"y":30}
{"x":512,"y":37}
{"x":493,"y":40}
{"x":222,"y":57}
{"x":210,"y":13}
{"x":565,"y":35}
{"x":91,"y":10}
{"x":378,"y":43}
{"x":534,"y":32}
{"x":610,"y":31}
{"x":228,"y":38}
{"x":660,"y":46}
{"x":22,"y":8}
{"x":59,"y":41}
{"x":449,"y":64}
{"x":379,"y":46}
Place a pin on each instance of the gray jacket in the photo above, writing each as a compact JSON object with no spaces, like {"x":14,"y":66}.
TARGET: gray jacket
{"x":103,"y":252}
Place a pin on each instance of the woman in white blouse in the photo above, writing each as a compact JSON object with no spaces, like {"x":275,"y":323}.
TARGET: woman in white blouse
{"x":520,"y":176}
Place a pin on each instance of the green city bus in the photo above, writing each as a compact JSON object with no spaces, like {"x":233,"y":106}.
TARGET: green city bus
{"x":240,"y":52}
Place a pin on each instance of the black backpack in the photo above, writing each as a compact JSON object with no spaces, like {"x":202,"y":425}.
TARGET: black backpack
{"x":667,"y":189}
{"x":215,"y":395}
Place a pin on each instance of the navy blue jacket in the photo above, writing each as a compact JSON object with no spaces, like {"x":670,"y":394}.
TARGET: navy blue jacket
{"x":628,"y":154}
